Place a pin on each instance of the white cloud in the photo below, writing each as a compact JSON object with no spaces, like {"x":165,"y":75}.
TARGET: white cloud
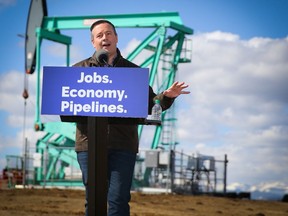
{"x":12,"y":102}
{"x":17,"y":127}
{"x":238,"y":104}
{"x":56,"y":53}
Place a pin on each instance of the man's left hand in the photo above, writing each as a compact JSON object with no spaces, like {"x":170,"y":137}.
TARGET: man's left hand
{"x":176,"y":89}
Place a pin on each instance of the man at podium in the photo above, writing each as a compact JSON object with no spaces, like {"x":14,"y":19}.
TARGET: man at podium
{"x":123,"y":138}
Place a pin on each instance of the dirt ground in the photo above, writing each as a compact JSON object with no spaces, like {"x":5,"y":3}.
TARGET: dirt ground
{"x":56,"y":202}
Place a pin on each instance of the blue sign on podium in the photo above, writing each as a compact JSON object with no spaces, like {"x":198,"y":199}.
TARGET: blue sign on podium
{"x":95,"y":91}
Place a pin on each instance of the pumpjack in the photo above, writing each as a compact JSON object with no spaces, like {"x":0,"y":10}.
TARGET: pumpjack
{"x":167,"y":47}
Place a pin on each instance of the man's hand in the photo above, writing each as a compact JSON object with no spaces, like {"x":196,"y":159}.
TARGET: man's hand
{"x":176,"y":89}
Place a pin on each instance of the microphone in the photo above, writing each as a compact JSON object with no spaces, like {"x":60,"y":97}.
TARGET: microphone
{"x":102,"y":56}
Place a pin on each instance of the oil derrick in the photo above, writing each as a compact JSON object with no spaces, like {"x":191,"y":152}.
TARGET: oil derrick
{"x":164,"y":49}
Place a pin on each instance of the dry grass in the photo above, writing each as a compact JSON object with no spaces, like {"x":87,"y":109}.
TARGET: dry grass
{"x":56,"y":202}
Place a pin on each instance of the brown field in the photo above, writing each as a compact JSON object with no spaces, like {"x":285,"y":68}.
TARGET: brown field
{"x":56,"y":202}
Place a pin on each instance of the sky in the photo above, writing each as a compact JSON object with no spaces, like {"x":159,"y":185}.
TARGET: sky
{"x":238,"y":79}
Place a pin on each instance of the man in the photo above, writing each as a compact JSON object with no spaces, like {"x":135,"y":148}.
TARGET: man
{"x":123,"y":138}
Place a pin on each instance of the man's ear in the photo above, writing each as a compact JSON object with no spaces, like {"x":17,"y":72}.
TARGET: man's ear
{"x":92,"y":42}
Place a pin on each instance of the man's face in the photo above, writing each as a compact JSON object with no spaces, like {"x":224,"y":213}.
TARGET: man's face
{"x":105,"y":38}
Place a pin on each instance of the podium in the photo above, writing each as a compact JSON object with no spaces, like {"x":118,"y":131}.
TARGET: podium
{"x":84,"y":91}
{"x":98,"y":163}
{"x":97,"y":166}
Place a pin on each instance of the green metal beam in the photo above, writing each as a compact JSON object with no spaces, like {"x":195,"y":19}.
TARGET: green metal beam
{"x":181,"y":28}
{"x":40,"y":149}
{"x":67,"y":183}
{"x":51,"y":166}
{"x":142,"y":45}
{"x":61,"y":172}
{"x":53,"y":36}
{"x":63,"y":128}
{"x":167,"y":45}
{"x":146,"y":20}
{"x":38,"y":69}
{"x":66,"y":155}
{"x":161,"y":32}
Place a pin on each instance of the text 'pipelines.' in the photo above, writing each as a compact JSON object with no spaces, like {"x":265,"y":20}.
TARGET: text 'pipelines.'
{"x":95,"y":92}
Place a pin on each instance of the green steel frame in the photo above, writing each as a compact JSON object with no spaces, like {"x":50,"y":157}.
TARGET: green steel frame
{"x":59,"y":138}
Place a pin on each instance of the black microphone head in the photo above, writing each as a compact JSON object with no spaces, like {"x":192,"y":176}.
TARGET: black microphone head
{"x":102,"y":56}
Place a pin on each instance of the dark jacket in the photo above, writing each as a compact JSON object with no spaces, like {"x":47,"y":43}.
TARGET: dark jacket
{"x":121,"y":135}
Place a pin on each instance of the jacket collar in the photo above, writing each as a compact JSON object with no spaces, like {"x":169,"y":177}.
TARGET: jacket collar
{"x":94,"y":62}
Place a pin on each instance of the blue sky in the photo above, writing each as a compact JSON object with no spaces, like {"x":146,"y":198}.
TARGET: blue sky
{"x":238,"y":78}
